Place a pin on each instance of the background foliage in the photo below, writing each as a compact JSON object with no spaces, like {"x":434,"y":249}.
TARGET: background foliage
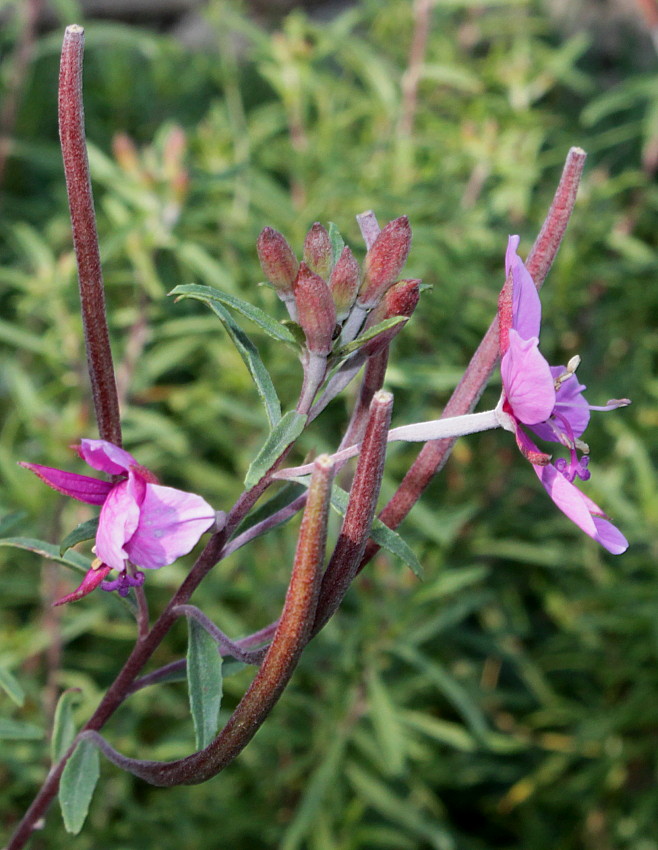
{"x":508,"y":701}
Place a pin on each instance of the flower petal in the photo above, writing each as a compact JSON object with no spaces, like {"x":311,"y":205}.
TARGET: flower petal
{"x":571,"y":404}
{"x":105,"y":456}
{"x":170,"y":524}
{"x":526,"y":306}
{"x":527,"y":380}
{"x":93,"y":491}
{"x":118,"y":521}
{"x":581,"y":509}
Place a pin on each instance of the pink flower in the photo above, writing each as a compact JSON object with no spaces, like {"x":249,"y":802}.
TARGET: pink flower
{"x":141,"y":521}
{"x":549,"y":401}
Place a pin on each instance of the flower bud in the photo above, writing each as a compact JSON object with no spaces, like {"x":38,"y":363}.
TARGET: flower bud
{"x":344,"y":283}
{"x":277,"y":260}
{"x":384,"y":261}
{"x":317,"y":250}
{"x":315,"y":310}
{"x":400,"y":300}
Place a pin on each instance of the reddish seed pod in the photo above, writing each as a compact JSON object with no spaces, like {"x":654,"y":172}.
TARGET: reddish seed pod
{"x":384,"y":261}
{"x":344,"y":283}
{"x":277,"y":260}
{"x":317,"y":250}
{"x":315,"y":310}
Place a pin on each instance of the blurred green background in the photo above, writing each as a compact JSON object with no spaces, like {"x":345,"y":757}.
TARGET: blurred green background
{"x":511,"y":699}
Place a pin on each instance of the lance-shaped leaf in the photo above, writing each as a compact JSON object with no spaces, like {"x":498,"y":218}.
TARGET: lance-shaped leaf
{"x":11,"y":686}
{"x":284,"y":433}
{"x":85,"y":531}
{"x":63,"y":724}
{"x":252,"y":361}
{"x":382,"y":535}
{"x":204,"y":682}
{"x":337,"y":243}
{"x":76,"y":787}
{"x":208,"y":295}
{"x":357,"y":524}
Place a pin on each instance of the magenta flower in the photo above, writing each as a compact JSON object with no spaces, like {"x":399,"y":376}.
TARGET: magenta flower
{"x":549,"y":401}
{"x":141,"y":522}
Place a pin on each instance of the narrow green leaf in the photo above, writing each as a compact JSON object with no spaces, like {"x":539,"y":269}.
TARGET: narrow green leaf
{"x":381,"y":534}
{"x":8,"y":521}
{"x":282,"y":435}
{"x":372,"y":332}
{"x":389,"y":733}
{"x":337,"y":243}
{"x":85,"y":531}
{"x":77,"y":784}
{"x":73,"y":560}
{"x":204,"y":682}
{"x":16,"y":730}
{"x":249,"y":353}
{"x":259,"y":317}
{"x":63,"y":724}
{"x":11,"y":686}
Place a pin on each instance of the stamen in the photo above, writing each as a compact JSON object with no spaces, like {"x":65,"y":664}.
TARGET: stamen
{"x":569,"y":372}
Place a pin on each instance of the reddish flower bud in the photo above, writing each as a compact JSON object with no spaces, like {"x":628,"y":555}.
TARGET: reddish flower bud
{"x":277,"y":260}
{"x":400,"y":300}
{"x":384,"y":261}
{"x":317,"y":250}
{"x":315,"y":310}
{"x":344,"y":283}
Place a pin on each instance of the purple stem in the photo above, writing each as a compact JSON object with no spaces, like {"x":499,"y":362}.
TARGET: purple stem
{"x":85,"y":236}
{"x":290,"y":638}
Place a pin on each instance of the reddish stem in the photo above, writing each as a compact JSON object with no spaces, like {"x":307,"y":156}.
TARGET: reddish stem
{"x":434,"y":454}
{"x":85,"y":236}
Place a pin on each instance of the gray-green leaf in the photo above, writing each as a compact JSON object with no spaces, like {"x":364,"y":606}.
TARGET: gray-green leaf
{"x":249,"y":353}
{"x":209,"y":295}
{"x":337,"y":243}
{"x":381,"y":534}
{"x":85,"y":531}
{"x":73,"y":560}
{"x":16,"y":730}
{"x":77,"y":784}
{"x":204,"y":682}
{"x":282,"y":435}
{"x":11,"y":686}
{"x":63,"y":724}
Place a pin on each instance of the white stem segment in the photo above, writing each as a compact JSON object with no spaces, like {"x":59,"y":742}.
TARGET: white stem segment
{"x":435,"y":429}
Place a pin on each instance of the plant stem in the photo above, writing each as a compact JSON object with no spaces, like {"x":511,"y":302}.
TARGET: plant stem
{"x":434,"y":454}
{"x":85,"y":236}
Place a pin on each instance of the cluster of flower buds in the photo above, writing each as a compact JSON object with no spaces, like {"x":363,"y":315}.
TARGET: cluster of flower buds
{"x":330,"y":296}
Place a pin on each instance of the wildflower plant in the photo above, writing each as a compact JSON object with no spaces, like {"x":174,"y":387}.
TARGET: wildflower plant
{"x":341,"y":319}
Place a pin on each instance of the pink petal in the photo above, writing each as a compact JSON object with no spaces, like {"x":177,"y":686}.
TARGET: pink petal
{"x":582,"y":510}
{"x":90,"y":582}
{"x":570,"y":403}
{"x":170,"y":524}
{"x":526,"y":306}
{"x":93,"y":491}
{"x":527,"y":380}
{"x":118,"y":521}
{"x":106,"y":457}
